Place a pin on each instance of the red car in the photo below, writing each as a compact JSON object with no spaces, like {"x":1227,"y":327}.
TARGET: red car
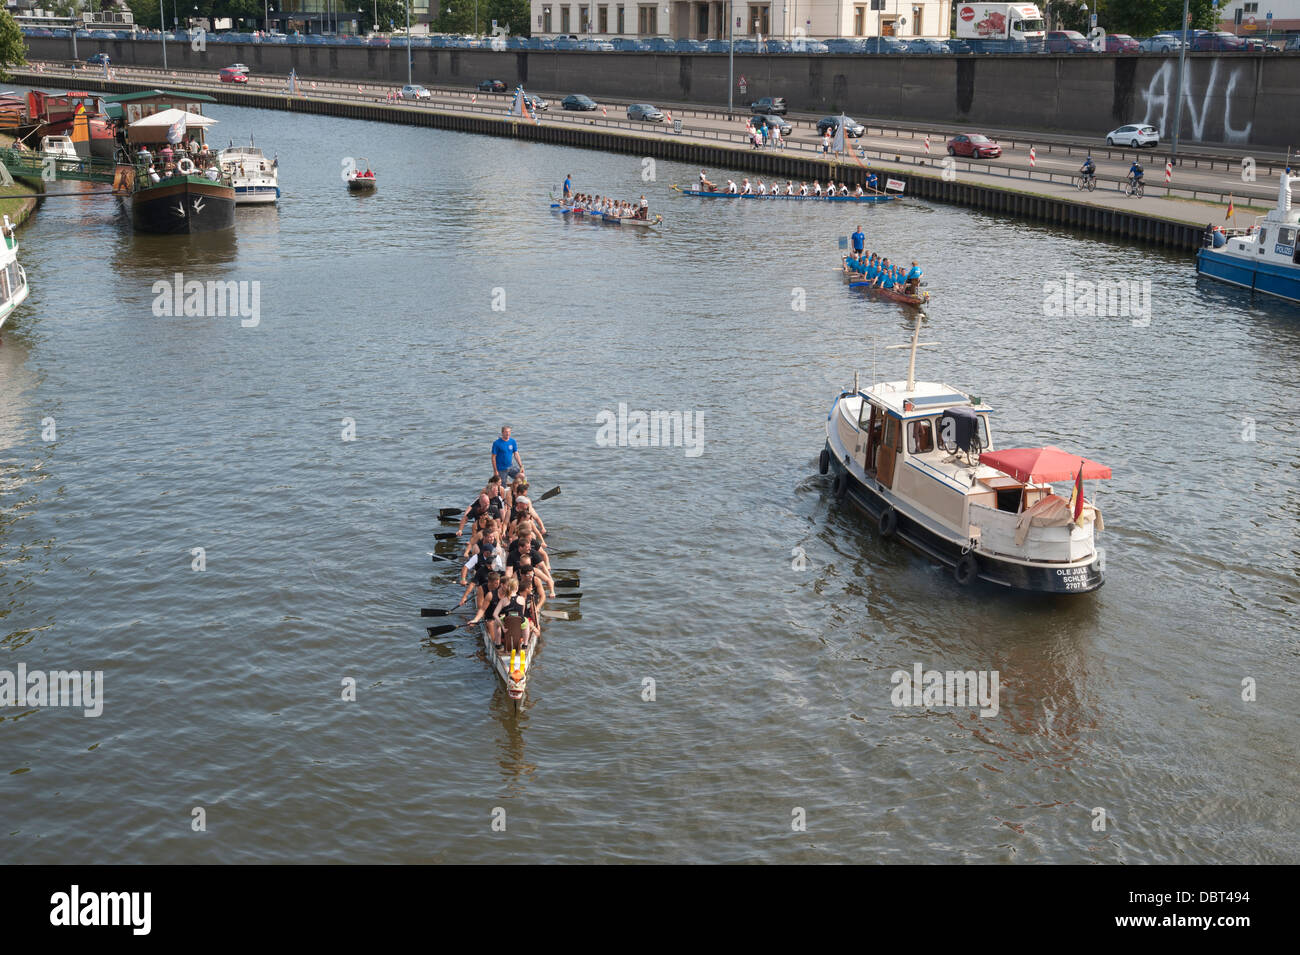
{"x":1121,"y":43}
{"x":975,"y":146}
{"x":233,"y":76}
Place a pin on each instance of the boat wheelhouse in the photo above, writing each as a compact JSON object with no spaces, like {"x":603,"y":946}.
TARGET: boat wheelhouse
{"x":918,"y":458}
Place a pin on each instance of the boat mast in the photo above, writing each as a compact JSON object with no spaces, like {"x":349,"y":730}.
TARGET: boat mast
{"x":911,"y":364}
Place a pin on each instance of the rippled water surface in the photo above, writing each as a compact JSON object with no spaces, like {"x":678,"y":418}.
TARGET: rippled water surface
{"x":771,"y":684}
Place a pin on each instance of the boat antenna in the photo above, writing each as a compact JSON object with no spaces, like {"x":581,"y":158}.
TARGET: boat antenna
{"x":911,"y":364}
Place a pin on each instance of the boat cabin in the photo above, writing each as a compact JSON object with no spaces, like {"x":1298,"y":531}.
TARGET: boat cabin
{"x":925,"y":445}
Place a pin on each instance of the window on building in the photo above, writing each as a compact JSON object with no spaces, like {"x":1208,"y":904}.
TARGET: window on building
{"x":546,"y":20}
{"x":564,"y":19}
{"x":759,"y":20}
{"x":620,"y":29}
{"x":859,"y":21}
{"x":603,"y":19}
{"x":648,"y":20}
{"x":877,"y":4}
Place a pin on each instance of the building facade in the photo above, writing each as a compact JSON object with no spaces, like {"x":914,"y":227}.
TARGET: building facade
{"x":1251,"y":17}
{"x":707,"y":19}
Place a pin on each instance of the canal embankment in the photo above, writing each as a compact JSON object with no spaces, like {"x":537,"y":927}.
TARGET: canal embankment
{"x":1043,"y":197}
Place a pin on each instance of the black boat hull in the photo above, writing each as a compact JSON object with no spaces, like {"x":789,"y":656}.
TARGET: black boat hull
{"x":1043,"y":579}
{"x":183,"y":205}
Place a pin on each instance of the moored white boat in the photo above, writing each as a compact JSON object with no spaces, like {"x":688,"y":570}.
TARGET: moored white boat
{"x":13,"y":278}
{"x":256,"y":179}
{"x":918,"y":457}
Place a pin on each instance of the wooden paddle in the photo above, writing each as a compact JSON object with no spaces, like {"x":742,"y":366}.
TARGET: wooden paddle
{"x":554,"y":614}
{"x":450,"y":511}
{"x":553,"y":492}
{"x":440,"y":612}
{"x":446,"y":536}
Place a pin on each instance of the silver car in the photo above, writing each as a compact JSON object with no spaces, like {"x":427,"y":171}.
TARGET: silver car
{"x":1161,"y":43}
{"x":645,"y":113}
{"x":415,"y":91}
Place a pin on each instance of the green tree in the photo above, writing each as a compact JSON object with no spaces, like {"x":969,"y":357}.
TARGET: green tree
{"x":13,"y":48}
{"x":1147,"y":17}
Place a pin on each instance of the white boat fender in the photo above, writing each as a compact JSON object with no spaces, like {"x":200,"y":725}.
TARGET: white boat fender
{"x":185,"y":166}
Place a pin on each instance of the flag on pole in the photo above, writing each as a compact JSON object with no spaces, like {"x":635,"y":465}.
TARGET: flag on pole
{"x":1230,"y":209}
{"x":176,"y":131}
{"x":1076,"y":498}
{"x":838,"y":145}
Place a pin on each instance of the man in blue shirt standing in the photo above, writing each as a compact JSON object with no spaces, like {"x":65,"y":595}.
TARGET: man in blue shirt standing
{"x":859,"y":241}
{"x":505,"y":456}
{"x":568,"y":185}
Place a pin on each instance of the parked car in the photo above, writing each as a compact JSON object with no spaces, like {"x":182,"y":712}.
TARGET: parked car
{"x":645,"y":113}
{"x":976,"y":146}
{"x":1121,"y":43}
{"x":1136,"y":135}
{"x":1256,"y":45}
{"x":596,"y":45}
{"x":535,"y":103}
{"x":1067,"y":41}
{"x":958,"y":46}
{"x":415,"y":91}
{"x":1217,"y":41}
{"x":921,"y":45}
{"x":692,"y":46}
{"x":885,"y":44}
{"x":1161,"y":43}
{"x":1293,"y":44}
{"x":829,"y":124}
{"x":846,"y":45}
{"x":232,"y":76}
{"x":98,"y":59}
{"x":769,"y":104}
{"x":578,"y":102}
{"x":773,"y":122}
{"x":492,"y":86}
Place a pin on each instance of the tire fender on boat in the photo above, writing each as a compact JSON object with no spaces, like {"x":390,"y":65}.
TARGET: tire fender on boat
{"x":840,"y":486}
{"x":966,"y":569}
{"x":888,"y":522}
{"x":824,"y":462}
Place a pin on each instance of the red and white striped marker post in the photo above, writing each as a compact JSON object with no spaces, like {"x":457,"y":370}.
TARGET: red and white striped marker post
{"x":927,"y":145}
{"x":1169,"y":171}
{"x":604,"y":111}
{"x":1033,"y":157}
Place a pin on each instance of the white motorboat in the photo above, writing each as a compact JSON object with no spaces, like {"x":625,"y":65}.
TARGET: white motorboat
{"x":256,"y":179}
{"x":918,"y":457}
{"x":13,"y":279}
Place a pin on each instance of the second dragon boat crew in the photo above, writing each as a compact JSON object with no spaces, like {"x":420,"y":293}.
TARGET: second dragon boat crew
{"x":705,"y":185}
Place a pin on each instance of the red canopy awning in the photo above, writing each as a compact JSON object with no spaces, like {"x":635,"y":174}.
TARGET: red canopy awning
{"x":1043,"y":464}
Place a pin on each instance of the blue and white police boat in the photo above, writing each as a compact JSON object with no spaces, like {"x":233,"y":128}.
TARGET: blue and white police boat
{"x":1266,"y":258}
{"x":918,"y":458}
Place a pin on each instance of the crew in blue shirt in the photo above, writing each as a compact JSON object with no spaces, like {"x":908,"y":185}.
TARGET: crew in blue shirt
{"x":871,"y":181}
{"x":568,"y":185}
{"x":887,"y":279}
{"x":505,"y":456}
{"x":914,"y":279}
{"x":859,"y":241}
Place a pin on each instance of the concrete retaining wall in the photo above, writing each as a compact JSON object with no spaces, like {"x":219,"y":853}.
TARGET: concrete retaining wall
{"x":1234,"y":99}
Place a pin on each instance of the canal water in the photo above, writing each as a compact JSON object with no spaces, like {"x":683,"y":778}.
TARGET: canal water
{"x":725,"y":694}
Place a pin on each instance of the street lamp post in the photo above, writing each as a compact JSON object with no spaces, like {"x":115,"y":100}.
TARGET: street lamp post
{"x":731,"y":57}
{"x":162,"y":33}
{"x":1182,"y":60}
{"x":407,"y":6}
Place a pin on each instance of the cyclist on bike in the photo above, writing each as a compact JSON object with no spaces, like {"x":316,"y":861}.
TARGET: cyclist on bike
{"x":1135,"y":172}
{"x":1089,"y":168}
